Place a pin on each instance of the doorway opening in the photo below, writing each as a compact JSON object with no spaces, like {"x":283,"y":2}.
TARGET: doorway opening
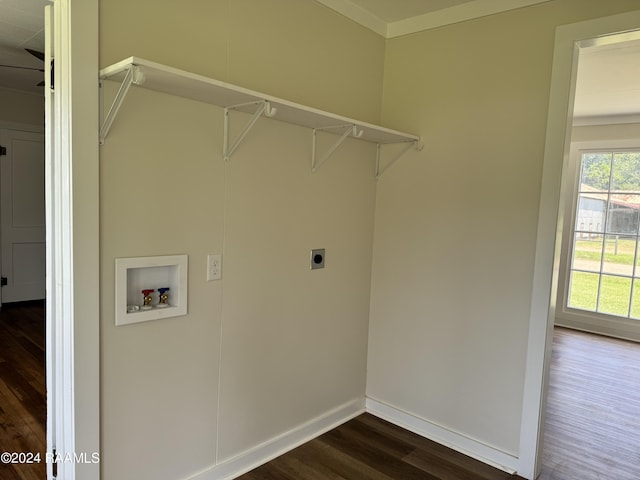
{"x":552,"y":220}
{"x":23,"y":399}
{"x":599,"y":276}
{"x":588,"y":395}
{"x":72,"y":245}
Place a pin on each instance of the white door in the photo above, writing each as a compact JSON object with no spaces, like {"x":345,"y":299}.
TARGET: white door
{"x":22,"y":218}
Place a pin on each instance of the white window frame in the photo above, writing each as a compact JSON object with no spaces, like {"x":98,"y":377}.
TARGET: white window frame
{"x":595,"y":322}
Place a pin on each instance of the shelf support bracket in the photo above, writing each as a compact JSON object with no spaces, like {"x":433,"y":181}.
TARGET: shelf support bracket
{"x":414,"y":144}
{"x":133,"y":76}
{"x":264,"y":108}
{"x":351,"y":130}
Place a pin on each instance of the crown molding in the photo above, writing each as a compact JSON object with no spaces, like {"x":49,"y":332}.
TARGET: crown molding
{"x":456,"y":14}
{"x":438,"y":18}
{"x":357,"y":14}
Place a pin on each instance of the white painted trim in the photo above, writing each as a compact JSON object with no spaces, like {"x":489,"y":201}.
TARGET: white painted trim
{"x":427,"y":21}
{"x":599,"y":327}
{"x":281,"y":444}
{"x":60,"y":397}
{"x":606,"y":120}
{"x":51,"y":355}
{"x":357,"y":14}
{"x":456,"y":14}
{"x":83,"y":104}
{"x":73,"y":402}
{"x":444,"y":436}
{"x":550,"y":225}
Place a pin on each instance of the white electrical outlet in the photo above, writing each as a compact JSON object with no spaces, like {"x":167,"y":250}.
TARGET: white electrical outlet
{"x":214,"y":267}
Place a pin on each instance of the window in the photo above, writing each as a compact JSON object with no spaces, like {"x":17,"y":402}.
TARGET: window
{"x":604,"y":273}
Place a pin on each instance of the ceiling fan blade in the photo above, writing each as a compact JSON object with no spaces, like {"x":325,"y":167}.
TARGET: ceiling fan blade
{"x":35,"y":53}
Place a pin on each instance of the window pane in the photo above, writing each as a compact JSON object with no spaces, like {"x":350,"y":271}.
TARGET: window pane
{"x":622,"y":216}
{"x":583,"y":291}
{"x":635,"y":301}
{"x":615,"y":294}
{"x":591,"y":212}
{"x":595,"y":170}
{"x":636,"y":273}
{"x":605,"y":258}
{"x":626,"y":172}
{"x":587,"y":252}
{"x":619,"y":254}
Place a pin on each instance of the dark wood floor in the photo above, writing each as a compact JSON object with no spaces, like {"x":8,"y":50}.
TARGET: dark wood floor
{"x":22,"y":388}
{"x":368,"y":448}
{"x":592,"y":431}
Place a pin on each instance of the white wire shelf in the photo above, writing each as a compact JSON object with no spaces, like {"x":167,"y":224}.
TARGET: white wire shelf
{"x":162,"y":78}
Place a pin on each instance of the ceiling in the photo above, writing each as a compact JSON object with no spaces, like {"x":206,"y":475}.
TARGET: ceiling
{"x":607,"y":77}
{"x":608,"y":82}
{"x":21,"y":26}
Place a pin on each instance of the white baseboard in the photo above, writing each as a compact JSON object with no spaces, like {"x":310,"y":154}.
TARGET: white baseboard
{"x":622,"y":328}
{"x":456,"y":441}
{"x":261,"y":454}
{"x":281,"y":444}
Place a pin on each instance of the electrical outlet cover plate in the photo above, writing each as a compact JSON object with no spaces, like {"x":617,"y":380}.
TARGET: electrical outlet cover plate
{"x":317,"y":258}
{"x":214,"y":267}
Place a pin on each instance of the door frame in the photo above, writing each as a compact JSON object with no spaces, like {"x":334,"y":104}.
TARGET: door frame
{"x":569,"y":38}
{"x":71,"y":183}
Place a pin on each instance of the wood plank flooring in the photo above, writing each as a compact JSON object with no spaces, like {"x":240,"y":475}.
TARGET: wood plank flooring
{"x":368,"y":448}
{"x":592,"y":430}
{"x":22,"y":388}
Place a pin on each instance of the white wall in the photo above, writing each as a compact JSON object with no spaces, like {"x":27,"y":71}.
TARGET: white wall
{"x":21,"y":108}
{"x":294,"y":340}
{"x":160,"y":193}
{"x":272,"y":345}
{"x":456,"y":225}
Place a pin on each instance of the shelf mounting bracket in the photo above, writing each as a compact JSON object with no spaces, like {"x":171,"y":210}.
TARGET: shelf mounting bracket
{"x":133,"y":76}
{"x":351,"y":130}
{"x":263,"y":108}
{"x":416,"y":145}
